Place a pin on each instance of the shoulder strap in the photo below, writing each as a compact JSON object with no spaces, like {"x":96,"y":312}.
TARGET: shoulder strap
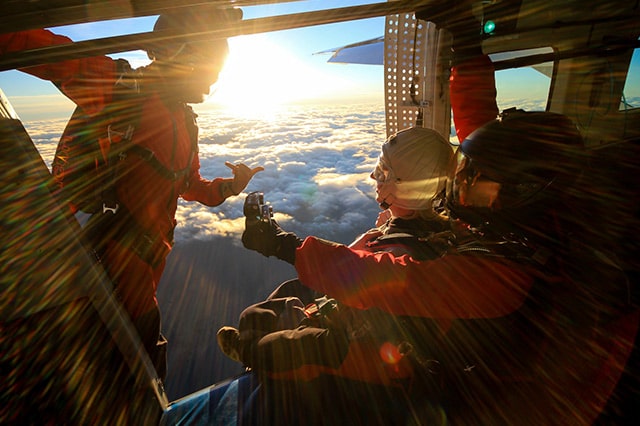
{"x":420,"y":248}
{"x":123,"y":116}
{"x":192,"y":126}
{"x":166,"y":173}
{"x":128,"y":103}
{"x":509,"y":249}
{"x":150,"y":157}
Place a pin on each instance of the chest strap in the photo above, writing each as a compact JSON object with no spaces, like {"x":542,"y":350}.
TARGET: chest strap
{"x":149,"y":156}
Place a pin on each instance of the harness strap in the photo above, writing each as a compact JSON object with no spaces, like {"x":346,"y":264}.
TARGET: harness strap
{"x":420,"y":248}
{"x":127,"y":111}
{"x":166,"y":173}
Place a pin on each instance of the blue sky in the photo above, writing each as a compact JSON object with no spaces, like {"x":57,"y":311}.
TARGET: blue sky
{"x":282,"y":60}
{"x":268,"y":69}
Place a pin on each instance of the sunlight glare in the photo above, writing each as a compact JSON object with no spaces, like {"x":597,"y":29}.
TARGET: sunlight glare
{"x":259,"y":76}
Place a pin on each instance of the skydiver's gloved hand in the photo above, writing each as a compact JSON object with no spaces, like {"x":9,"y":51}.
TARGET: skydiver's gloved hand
{"x":461,"y":21}
{"x":268,"y":239}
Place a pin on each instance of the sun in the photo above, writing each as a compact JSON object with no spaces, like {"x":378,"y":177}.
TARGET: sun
{"x":260,"y":76}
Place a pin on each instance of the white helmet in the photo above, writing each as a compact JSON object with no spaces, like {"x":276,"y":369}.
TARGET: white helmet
{"x":412,"y":169}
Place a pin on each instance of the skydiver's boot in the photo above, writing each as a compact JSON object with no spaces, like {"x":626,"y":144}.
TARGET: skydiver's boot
{"x":148,"y":326}
{"x":229,"y":342}
{"x":160,"y":357}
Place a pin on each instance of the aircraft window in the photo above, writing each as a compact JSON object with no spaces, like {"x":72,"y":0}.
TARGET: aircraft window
{"x":631,"y":93}
{"x":525,"y":88}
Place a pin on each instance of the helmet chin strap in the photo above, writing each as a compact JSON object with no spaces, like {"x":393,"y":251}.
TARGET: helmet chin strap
{"x":386,"y":204}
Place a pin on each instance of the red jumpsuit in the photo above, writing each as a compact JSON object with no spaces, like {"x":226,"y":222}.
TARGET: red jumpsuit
{"x":149,"y":198}
{"x":459,"y":289}
{"x":395,"y":284}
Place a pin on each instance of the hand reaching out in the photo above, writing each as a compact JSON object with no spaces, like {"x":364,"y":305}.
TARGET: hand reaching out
{"x":269,"y":239}
{"x":242,"y":174}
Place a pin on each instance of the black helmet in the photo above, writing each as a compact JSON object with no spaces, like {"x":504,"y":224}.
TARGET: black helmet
{"x":195,"y":19}
{"x":511,"y":168}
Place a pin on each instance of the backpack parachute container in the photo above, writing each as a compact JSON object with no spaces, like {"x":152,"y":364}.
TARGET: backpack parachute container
{"x":85,"y":165}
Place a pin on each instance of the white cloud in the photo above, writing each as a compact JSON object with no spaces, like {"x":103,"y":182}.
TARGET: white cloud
{"x":317,"y":162}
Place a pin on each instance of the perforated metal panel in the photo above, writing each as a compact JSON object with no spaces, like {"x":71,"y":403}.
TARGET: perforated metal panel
{"x":415,"y":80}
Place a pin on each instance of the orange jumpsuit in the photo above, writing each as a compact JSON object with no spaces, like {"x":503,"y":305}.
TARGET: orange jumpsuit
{"x":150,"y":199}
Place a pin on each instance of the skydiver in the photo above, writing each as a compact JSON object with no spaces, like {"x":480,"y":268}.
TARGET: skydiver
{"x":298,"y":333}
{"x":410,"y":176}
{"x":134,"y":243}
{"x":529,"y":314}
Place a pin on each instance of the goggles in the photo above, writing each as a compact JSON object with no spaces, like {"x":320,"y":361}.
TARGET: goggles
{"x":381,"y":172}
{"x":470,"y":187}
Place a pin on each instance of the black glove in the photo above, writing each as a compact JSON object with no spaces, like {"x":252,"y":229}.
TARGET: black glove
{"x":268,"y":239}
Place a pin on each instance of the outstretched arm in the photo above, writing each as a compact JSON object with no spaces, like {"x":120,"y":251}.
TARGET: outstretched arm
{"x":88,"y":82}
{"x":472,"y":90}
{"x":214,"y":192}
{"x":472,"y":83}
{"x":453,"y":286}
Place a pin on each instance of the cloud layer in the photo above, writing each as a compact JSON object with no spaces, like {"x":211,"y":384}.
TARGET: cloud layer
{"x":317,"y":163}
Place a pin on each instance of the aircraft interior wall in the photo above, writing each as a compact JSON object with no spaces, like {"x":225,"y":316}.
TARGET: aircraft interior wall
{"x":62,"y":356}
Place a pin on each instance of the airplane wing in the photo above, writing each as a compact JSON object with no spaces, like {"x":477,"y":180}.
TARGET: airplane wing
{"x":371,"y":52}
{"x":543,"y":68}
{"x":368,"y":52}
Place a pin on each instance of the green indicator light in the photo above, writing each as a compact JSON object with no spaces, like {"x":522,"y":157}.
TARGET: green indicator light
{"x":489,"y":27}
